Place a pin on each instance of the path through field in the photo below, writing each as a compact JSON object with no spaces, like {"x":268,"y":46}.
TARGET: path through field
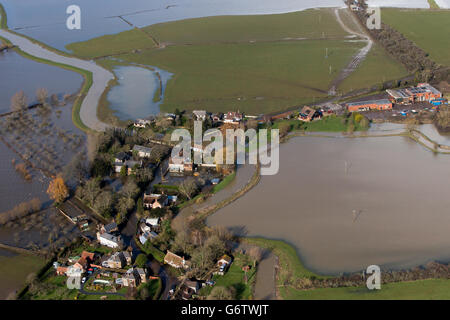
{"x":359,"y":57}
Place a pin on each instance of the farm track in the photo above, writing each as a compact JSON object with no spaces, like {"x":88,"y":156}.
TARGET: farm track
{"x":357,"y":59}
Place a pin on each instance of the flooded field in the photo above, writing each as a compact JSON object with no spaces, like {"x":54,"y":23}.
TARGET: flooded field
{"x":18,"y":73}
{"x":133,"y":97}
{"x":348,"y":203}
{"x":46,"y":20}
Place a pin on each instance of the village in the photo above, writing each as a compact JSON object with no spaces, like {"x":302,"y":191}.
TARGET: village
{"x":128,"y":243}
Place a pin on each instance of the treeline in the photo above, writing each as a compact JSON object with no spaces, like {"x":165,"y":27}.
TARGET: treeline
{"x":21,"y":210}
{"x":413,"y":58}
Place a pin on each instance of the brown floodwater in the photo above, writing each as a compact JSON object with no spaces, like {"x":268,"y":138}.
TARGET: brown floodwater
{"x":345,"y":204}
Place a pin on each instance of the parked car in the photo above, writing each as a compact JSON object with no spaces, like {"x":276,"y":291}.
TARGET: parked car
{"x":83,"y":280}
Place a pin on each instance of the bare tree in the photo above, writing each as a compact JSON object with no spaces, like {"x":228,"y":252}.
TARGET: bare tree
{"x":42,"y":95}
{"x":19,"y":102}
{"x":188,"y":187}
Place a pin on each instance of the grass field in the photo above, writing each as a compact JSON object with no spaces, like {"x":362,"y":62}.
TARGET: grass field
{"x":311,"y":24}
{"x":234,"y":277}
{"x":255,"y":64}
{"x":254,"y":78}
{"x":3,"y":18}
{"x":112,"y":44}
{"x":368,"y":74}
{"x":14,"y":271}
{"x":429,"y":29}
{"x":416,"y":290}
{"x":291,"y":267}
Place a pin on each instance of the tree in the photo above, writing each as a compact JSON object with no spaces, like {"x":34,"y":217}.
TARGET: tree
{"x":103,"y":203}
{"x":188,"y":187}
{"x":256,"y":253}
{"x":57,"y":189}
{"x":130,"y":189}
{"x":42,"y":95}
{"x":141,"y":260}
{"x":222,"y":293}
{"x":19,"y":102}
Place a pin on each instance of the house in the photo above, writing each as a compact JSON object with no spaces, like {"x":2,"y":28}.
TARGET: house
{"x":383,"y":104}
{"x":109,"y":240}
{"x":153,"y":201}
{"x":193,"y":285}
{"x":308,"y":114}
{"x":130,"y":279}
{"x":121,"y":157}
{"x":131,"y":165}
{"x":116,"y":261}
{"x":199,"y":115}
{"x":233,"y":117}
{"x":143,"y":152}
{"x":109,"y":228}
{"x":175,"y":261}
{"x":142,"y":123}
{"x":141,"y":274}
{"x":143,"y":238}
{"x":217,"y":117}
{"x":61,"y":271}
{"x":127,"y":257}
{"x":153,"y":222}
{"x":225,"y":260}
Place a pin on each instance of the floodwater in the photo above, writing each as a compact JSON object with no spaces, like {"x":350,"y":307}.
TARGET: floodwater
{"x":345,"y":204}
{"x":400,"y":3}
{"x":133,"y":97}
{"x":18,"y":73}
{"x":45,"y":20}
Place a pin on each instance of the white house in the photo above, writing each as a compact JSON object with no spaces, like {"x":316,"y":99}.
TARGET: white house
{"x":108,"y":240}
{"x":143,"y":152}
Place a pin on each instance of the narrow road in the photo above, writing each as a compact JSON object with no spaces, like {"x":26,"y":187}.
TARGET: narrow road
{"x":100,"y":76}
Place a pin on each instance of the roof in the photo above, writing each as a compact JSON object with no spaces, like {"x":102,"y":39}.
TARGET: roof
{"x":86,"y":254}
{"x":109,"y":237}
{"x":226,"y":258}
{"x":122,"y":156}
{"x":361,"y":103}
{"x":142,"y":149}
{"x":172,"y":258}
{"x":109,"y":227}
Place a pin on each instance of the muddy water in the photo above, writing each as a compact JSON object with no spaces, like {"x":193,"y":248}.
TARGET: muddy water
{"x":348,"y":203}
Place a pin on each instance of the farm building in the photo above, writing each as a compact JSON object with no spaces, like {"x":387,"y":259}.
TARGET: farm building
{"x":383,"y":104}
{"x":423,"y":92}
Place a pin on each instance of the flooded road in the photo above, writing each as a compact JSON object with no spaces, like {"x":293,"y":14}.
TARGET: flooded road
{"x":348,"y":203}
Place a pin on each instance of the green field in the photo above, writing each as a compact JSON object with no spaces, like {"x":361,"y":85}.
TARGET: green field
{"x":254,"y":78}
{"x":234,"y":277}
{"x":255,"y":64}
{"x":291,"y":268}
{"x":429,"y":29}
{"x":416,"y":290}
{"x":112,"y":44}
{"x":368,"y":74}
{"x":311,"y":24}
{"x":14,"y":271}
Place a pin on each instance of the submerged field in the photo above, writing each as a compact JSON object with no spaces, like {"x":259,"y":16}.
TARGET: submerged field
{"x":257,"y":64}
{"x":429,"y":29}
